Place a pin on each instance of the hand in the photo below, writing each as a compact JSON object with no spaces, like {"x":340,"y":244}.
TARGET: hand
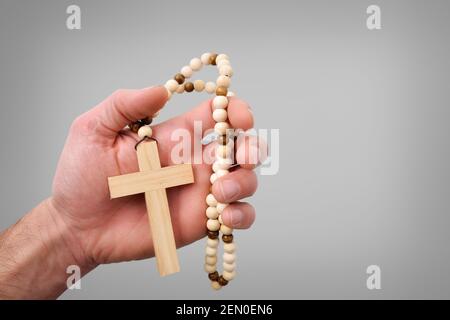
{"x":101,"y":230}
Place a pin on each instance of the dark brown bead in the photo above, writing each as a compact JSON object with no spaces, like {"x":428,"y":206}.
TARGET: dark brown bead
{"x":189,"y":86}
{"x":221,"y":91}
{"x":134,"y":126}
{"x":213,"y":234}
{"x":222,"y":281}
{"x":179,"y":78}
{"x":222,"y":140}
{"x":214,"y":276}
{"x":212,"y":59}
{"x":227,"y":238}
{"x":146,"y":121}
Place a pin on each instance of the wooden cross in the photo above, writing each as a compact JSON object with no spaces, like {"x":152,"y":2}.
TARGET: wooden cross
{"x":153,"y":180}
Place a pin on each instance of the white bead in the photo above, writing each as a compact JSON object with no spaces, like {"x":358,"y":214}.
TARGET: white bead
{"x":225,"y":229}
{"x":220,"y":207}
{"x":213,"y":225}
{"x":220,"y":115}
{"x":211,"y":213}
{"x":226,"y":70}
{"x":199,"y":85}
{"x":229,"y":267}
{"x":220,"y":219}
{"x":186,"y":71}
{"x":223,"y":62}
{"x":210,"y":200}
{"x":171,"y":85}
{"x":216,"y":166}
{"x":221,"y":173}
{"x":219,"y":102}
{"x":229,"y":247}
{"x":223,"y":163}
{"x":195,"y":64}
{"x":223,"y":81}
{"x":212,"y":243}
{"x":211,"y":260}
{"x":230,"y":94}
{"x":211,"y":252}
{"x":221,"y":128}
{"x":213,"y":178}
{"x":223,"y":151}
{"x":229,"y":275}
{"x":210,"y":87}
{"x":229,"y":257}
{"x":180,"y":88}
{"x":169,"y":94}
{"x":221,"y":57}
{"x":209,"y":268}
{"x":145,"y":131}
{"x":205,"y":58}
{"x":215,"y":285}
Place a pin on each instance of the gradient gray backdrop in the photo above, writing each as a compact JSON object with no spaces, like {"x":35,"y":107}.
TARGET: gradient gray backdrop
{"x":363,"y":118}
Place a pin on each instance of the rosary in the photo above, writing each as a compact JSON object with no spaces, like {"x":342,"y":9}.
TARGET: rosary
{"x":153,"y":180}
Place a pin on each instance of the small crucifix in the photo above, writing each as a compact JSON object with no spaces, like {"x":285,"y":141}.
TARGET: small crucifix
{"x":153,"y":181}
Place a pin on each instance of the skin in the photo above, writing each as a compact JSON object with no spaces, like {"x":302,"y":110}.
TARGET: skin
{"x":79,"y":223}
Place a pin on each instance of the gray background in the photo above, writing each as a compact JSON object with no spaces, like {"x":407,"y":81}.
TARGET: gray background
{"x":363,"y":118}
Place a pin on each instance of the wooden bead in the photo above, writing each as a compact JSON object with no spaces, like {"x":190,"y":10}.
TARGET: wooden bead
{"x":205,"y":58}
{"x":229,"y":267}
{"x":229,"y":257}
{"x":223,"y":163}
{"x":169,"y":94}
{"x":220,"y":219}
{"x":223,"y":139}
{"x":211,"y":213}
{"x":215,"y":285}
{"x":186,"y":71}
{"x":211,"y":260}
{"x":195,"y":64}
{"x":221,"y":128}
{"x":146,"y":121}
{"x":229,"y":275}
{"x":229,"y":247}
{"x":220,"y":115}
{"x":221,"y":91}
{"x":171,"y":85}
{"x":213,"y":243}
{"x":179,"y":78}
{"x":223,"y":62}
{"x":210,"y":87}
{"x":221,"y":173}
{"x":227,"y":238}
{"x":180,"y":88}
{"x":223,"y":81}
{"x":199,"y":85}
{"x":213,"y":178}
{"x":213,"y":276}
{"x":134,"y":127}
{"x":210,"y":200}
{"x":223,"y":151}
{"x":221,"y":57}
{"x":220,"y":207}
{"x":213,"y":234}
{"x":209,"y":268}
{"x":226,"y":70}
{"x":145,"y":131}
{"x":222,"y":281}
{"x":230,"y":94}
{"x":219,"y":102}
{"x":189,"y":86}
{"x":212,"y":59}
{"x":213,"y":224}
{"x":211,"y":252}
{"x":225,"y":229}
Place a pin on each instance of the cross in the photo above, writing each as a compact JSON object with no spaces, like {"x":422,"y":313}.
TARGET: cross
{"x":153,"y":181}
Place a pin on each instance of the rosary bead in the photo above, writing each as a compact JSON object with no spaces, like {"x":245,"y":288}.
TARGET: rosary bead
{"x":220,"y":115}
{"x":210,"y":87}
{"x":226,"y":70}
{"x":223,"y":81}
{"x":199,"y":85}
{"x":220,"y":219}
{"x":205,"y":58}
{"x":180,"y":88}
{"x":223,"y":62}
{"x":229,"y":257}
{"x":171,"y":85}
{"x":213,"y":225}
{"x":213,"y":276}
{"x":222,"y":139}
{"x":211,"y":260}
{"x":134,"y":127}
{"x":195,"y":64}
{"x":230,"y":94}
{"x":223,"y":163}
{"x":222,"y":56}
{"x":223,"y":151}
{"x":212,"y":59}
{"x":229,"y":247}
{"x":145,"y":131}
{"x":213,"y":243}
{"x":227,"y":238}
{"x":220,"y":102}
{"x":213,"y":178}
{"x":229,"y":267}
{"x":215,"y":285}
{"x":222,"y":281}
{"x":226,"y":230}
{"x":186,"y":71}
{"x":213,"y":234}
{"x":179,"y":78}
{"x":189,"y":86}
{"x":210,"y":268}
{"x":221,"y":173}
{"x":211,"y":252}
{"x":220,"y":207}
{"x":221,"y":91}
{"x":229,"y":275}
{"x":221,"y":128}
{"x":211,"y":213}
{"x":211,"y":200}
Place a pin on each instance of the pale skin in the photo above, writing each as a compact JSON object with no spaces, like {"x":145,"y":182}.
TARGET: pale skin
{"x":80,"y":225}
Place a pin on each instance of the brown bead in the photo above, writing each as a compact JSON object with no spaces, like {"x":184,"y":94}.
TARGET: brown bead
{"x":189,"y":86}
{"x":214,"y":276}
{"x":213,"y":234}
{"x":134,"y":126}
{"x":146,"y":121}
{"x":221,"y":91}
{"x":212,"y":59}
{"x":227,"y":238}
{"x":222,"y":281}
{"x":222,"y":140}
{"x":179,"y":78}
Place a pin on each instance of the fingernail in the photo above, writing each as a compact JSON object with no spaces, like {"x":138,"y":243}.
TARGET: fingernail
{"x":229,"y":189}
{"x":236,"y":217}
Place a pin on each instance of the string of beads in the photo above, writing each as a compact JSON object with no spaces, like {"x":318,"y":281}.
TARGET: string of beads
{"x":224,"y":152}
